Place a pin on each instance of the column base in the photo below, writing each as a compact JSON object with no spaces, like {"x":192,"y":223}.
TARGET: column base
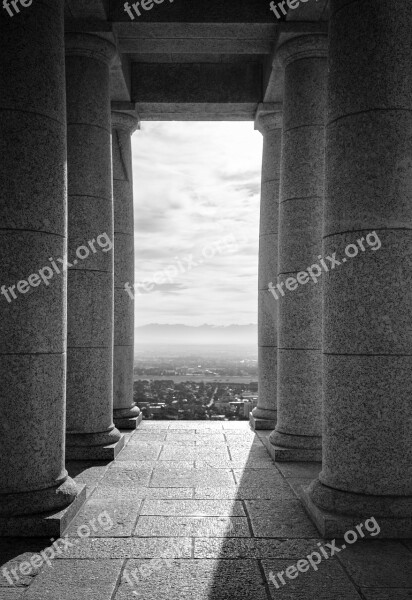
{"x":294,"y":448}
{"x":94,"y":446}
{"x":261,"y":424}
{"x":131,"y":423}
{"x":262,"y":418}
{"x":334,"y":525}
{"x":127,"y":418}
{"x":47,"y":524}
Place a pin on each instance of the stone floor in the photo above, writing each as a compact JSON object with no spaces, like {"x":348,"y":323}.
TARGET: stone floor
{"x":198,"y":511}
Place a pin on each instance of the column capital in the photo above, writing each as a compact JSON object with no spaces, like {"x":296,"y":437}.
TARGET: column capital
{"x":305,"y":46}
{"x":269,"y":116}
{"x":93,"y":46}
{"x":125,"y":121}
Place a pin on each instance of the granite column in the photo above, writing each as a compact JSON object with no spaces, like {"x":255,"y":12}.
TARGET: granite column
{"x":125,"y":412}
{"x":299,"y":291}
{"x":91,"y":433}
{"x":33,"y":205}
{"x":269,"y":123}
{"x":367,"y":340}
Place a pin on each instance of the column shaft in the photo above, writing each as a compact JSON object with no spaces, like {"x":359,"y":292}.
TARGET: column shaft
{"x":33,"y":203}
{"x":367,"y":468}
{"x":269,"y":123}
{"x":298,"y":431}
{"x":91,"y":432}
{"x":125,"y":412}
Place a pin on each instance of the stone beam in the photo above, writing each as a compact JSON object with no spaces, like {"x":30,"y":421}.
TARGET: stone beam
{"x":187,"y":11}
{"x":197,"y":111}
{"x":196,"y":83}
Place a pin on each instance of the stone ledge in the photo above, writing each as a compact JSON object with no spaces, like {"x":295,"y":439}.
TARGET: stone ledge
{"x":131,"y":423}
{"x":95,"y":452}
{"x":280,"y":454}
{"x":50,"y":524}
{"x":259,"y":424}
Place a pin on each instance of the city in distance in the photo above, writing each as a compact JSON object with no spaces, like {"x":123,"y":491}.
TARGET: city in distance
{"x":191,"y":373}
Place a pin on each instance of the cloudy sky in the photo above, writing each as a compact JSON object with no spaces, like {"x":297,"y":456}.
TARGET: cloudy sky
{"x":196,"y":190}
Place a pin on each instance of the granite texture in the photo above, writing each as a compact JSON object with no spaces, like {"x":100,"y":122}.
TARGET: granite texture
{"x":199,"y":542}
{"x":124,"y":407}
{"x":269,"y":122}
{"x":90,"y":295}
{"x":300,"y":236}
{"x":33,"y":208}
{"x":367,"y":333}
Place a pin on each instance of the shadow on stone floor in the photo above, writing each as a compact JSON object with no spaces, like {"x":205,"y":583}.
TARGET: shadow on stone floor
{"x":201,"y":513}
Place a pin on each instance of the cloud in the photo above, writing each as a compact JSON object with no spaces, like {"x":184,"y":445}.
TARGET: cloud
{"x":195,"y":184}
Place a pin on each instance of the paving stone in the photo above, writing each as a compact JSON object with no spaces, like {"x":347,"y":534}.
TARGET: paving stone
{"x":131,"y":547}
{"x":72,"y":579}
{"x":385,"y":594}
{"x":258,"y":476}
{"x":134,"y":494}
{"x":119,"y":476}
{"x":210,"y":437}
{"x":183,"y":465}
{"x":264,"y":491}
{"x":111,"y":494}
{"x":145,"y":451}
{"x":192,"y":526}
{"x":111,"y":518}
{"x":191,"y":478}
{"x":15,"y":553}
{"x":11,"y":594}
{"x":253,"y":548}
{"x":216,"y":493}
{"x":156,"y":425}
{"x":182,"y":453}
{"x":379,"y":563}
{"x":221,"y":463}
{"x":255,"y":451}
{"x":297,"y":483}
{"x":189,"y":424}
{"x":179,"y":442}
{"x":329,"y":582}
{"x":197,"y":580}
{"x":87,"y":473}
{"x":181,"y":431}
{"x":149,"y":436}
{"x":243,"y":445}
{"x":305,"y":470}
{"x":283,"y":519}
{"x":193,"y":508}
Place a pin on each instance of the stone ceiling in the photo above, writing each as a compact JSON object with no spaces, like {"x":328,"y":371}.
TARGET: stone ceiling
{"x":193,"y":60}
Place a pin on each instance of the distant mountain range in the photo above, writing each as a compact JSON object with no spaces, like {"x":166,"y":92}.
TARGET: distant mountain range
{"x":204,"y":334}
